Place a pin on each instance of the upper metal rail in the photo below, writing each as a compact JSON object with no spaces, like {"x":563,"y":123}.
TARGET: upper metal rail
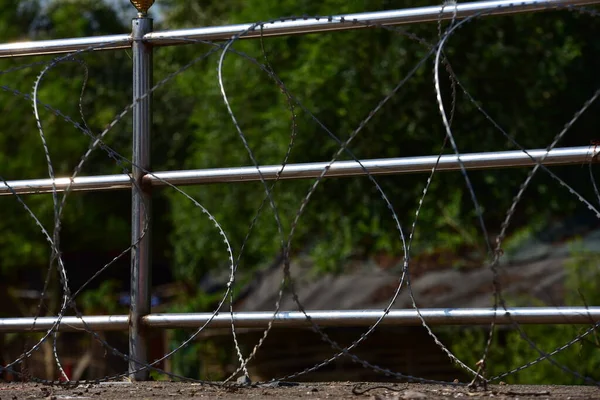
{"x":360,"y":20}
{"x":386,"y":166}
{"x":291,"y":27}
{"x":58,"y":46}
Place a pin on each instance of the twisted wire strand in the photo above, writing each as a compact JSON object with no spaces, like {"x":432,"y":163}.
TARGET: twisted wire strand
{"x":97,"y":141}
{"x":497,"y":251}
{"x":286,"y":278}
{"x":55,"y":251}
{"x":562,"y":183}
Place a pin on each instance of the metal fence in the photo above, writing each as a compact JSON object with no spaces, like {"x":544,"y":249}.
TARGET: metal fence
{"x":141,"y":42}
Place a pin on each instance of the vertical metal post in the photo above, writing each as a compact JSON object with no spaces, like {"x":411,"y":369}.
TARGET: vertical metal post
{"x":141,"y":198}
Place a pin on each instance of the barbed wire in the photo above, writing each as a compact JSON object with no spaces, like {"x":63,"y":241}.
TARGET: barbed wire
{"x":285,"y":239}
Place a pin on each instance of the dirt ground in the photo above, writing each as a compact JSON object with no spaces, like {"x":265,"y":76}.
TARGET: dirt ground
{"x":333,"y":390}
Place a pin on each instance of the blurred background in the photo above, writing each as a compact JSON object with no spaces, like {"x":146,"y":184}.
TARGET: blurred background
{"x":531,"y":73}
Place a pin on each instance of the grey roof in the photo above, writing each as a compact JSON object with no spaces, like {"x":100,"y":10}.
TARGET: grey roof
{"x":534,"y":267}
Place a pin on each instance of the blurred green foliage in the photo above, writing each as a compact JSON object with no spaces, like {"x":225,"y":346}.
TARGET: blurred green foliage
{"x":530,"y":72}
{"x":21,"y":152}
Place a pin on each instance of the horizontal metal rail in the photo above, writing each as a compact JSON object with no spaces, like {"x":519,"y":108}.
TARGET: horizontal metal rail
{"x":361,"y":20}
{"x":58,"y":46}
{"x":341,"y":318}
{"x":325,"y":318}
{"x":67,"y":324}
{"x":404,"y":165}
{"x":82,"y":183}
{"x":299,"y":26}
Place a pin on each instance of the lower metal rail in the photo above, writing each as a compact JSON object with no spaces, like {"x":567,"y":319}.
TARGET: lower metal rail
{"x":325,"y":318}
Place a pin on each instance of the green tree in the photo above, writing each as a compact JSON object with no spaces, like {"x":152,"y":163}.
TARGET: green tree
{"x":530,"y":72}
{"x":88,"y":221}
